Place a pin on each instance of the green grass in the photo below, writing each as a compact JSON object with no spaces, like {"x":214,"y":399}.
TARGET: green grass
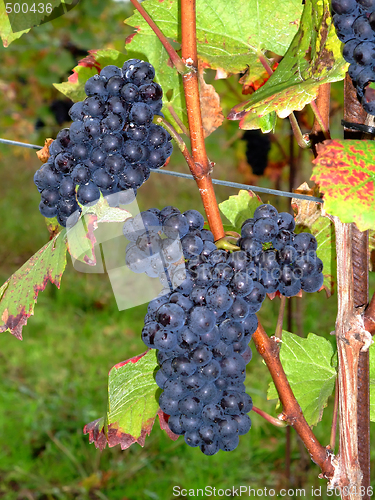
{"x":55,"y":381}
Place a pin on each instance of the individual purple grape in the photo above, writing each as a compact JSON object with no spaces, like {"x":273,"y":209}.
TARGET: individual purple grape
{"x":265,"y":210}
{"x":344,"y":6}
{"x":312,"y":283}
{"x":81,"y":174}
{"x":88,"y":194}
{"x":141,"y":114}
{"x":47,"y":211}
{"x":64,"y":163}
{"x":114,"y":164}
{"x":139,"y":73}
{"x":67,"y":188}
{"x":81,"y":151}
{"x":93,"y":106}
{"x":47,"y":177}
{"x":150,"y":92}
{"x":103,"y":179}
{"x":111,"y":123}
{"x":110,"y":70}
{"x":118,"y":105}
{"x":112,"y":143}
{"x":157,"y":136}
{"x":96,"y":86}
{"x":114,"y":85}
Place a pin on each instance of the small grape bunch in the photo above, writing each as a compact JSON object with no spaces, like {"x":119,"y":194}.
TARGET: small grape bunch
{"x":279,"y":259}
{"x":112,"y":144}
{"x":354,"y":21}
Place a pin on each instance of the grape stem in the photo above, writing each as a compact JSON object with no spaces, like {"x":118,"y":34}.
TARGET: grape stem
{"x":268,"y":348}
{"x":301,"y":141}
{"x":177,"y":119}
{"x":180,"y":142}
{"x":280,"y":318}
{"x":272,"y":420}
{"x":175,"y":58}
{"x":224,"y":244}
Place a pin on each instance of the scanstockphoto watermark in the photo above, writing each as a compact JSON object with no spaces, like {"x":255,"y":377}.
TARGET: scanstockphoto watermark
{"x":25,"y":14}
{"x":248,"y":491}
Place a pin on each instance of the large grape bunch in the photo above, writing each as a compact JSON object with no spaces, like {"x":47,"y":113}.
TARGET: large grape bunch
{"x":111,"y":145}
{"x":202,"y":326}
{"x":354,"y":21}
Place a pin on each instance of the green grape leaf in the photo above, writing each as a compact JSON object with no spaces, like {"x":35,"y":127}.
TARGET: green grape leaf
{"x":6,"y":33}
{"x":313,"y":58}
{"x":310,"y":217}
{"x":23,"y":16}
{"x":266,"y":123}
{"x":132,"y":404}
{"x":230,"y":38}
{"x":240,"y":207}
{"x":81,"y":239}
{"x":20,"y":292}
{"x":324,"y":232}
{"x":372,"y":382}
{"x":345,"y":174}
{"x":87,"y":67}
{"x":309,"y":367}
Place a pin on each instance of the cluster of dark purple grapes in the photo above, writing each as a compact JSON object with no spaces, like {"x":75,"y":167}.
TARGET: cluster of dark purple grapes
{"x":202,"y":330}
{"x":290,"y":262}
{"x":203,"y":321}
{"x":354,"y":21}
{"x":111,"y":145}
{"x":160,"y":240}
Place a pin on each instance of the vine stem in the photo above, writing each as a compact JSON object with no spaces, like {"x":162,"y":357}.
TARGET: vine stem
{"x":321,"y":107}
{"x":320,"y":120}
{"x":354,"y":112}
{"x":269,"y":350}
{"x":351,"y":338}
{"x":272,"y":420}
{"x":202,"y":166}
{"x":175,"y":58}
{"x":332,"y":441}
{"x":369,"y":317}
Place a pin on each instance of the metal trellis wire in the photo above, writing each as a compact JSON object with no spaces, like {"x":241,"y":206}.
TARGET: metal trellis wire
{"x":236,"y":185}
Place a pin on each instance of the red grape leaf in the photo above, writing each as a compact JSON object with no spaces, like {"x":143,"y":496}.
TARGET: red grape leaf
{"x":345,"y":173}
{"x":19,"y":293}
{"x":132,"y":405}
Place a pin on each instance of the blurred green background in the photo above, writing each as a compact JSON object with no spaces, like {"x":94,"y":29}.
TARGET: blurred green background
{"x":55,"y":381}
